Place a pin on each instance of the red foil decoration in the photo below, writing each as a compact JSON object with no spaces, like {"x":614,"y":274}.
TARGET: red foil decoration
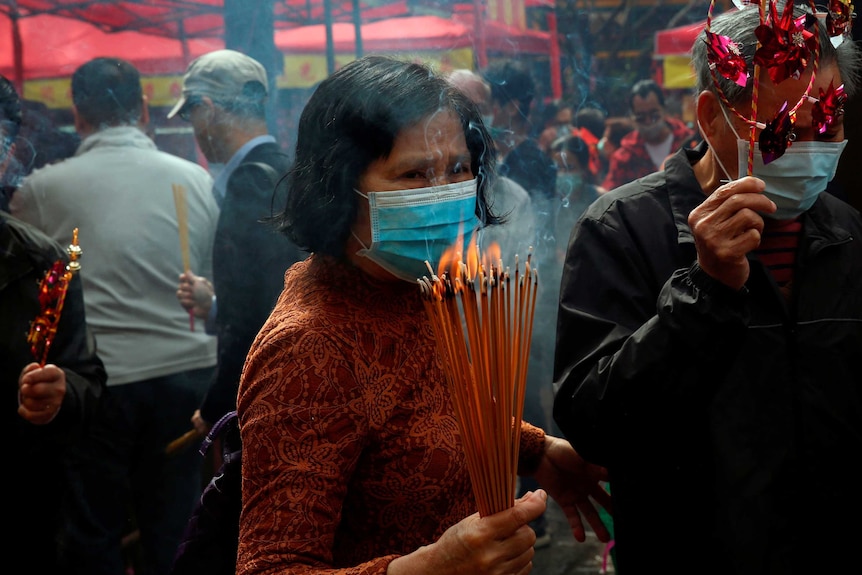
{"x":725,"y":56}
{"x":777,"y":135}
{"x":786,"y":43}
{"x":839,"y":17}
{"x":828,"y":108}
{"x":52,"y":294}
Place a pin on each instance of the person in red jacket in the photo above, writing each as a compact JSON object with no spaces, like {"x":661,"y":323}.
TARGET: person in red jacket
{"x":655,"y":137}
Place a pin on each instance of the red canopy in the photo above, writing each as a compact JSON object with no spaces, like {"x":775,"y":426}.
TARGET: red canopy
{"x":200,"y":18}
{"x":55,"y":47}
{"x":413,"y":33}
{"x":676,"y":41}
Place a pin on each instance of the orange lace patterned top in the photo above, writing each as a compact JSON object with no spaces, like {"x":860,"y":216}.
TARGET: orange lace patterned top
{"x":351,"y":453}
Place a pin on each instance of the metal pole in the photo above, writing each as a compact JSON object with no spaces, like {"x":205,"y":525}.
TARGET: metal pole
{"x":357,"y":26}
{"x":330,"y":41}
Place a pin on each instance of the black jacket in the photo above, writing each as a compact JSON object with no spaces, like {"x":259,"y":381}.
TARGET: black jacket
{"x":25,"y":255}
{"x":730,"y":422}
{"x":34,"y":454}
{"x":249,"y":261}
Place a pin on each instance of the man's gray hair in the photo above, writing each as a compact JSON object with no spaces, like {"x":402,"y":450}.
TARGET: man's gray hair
{"x":739,"y":26}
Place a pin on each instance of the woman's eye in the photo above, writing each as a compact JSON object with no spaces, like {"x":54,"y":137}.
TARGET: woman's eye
{"x":461,"y":168}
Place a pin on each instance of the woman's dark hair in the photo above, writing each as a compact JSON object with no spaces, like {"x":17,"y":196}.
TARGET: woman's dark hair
{"x":351,"y":120}
{"x":510,"y":81}
{"x":10,"y":110}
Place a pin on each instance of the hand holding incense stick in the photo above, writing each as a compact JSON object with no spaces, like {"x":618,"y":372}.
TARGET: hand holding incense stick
{"x":183,"y":224}
{"x":52,"y":294}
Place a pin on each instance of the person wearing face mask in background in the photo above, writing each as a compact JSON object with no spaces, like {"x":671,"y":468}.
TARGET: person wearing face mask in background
{"x":576,"y":190}
{"x":507,"y":198}
{"x":709,"y":332}
{"x":352,"y":460}
{"x":655,"y":137}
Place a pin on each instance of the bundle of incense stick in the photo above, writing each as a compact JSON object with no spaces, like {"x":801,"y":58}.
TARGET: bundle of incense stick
{"x":183,"y":224}
{"x":483,"y":323}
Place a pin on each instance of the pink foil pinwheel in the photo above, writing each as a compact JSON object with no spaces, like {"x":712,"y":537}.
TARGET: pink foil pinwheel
{"x":839,"y":17}
{"x":725,"y":57}
{"x":786,"y":43}
{"x":52,"y":295}
{"x":828,"y":107}
{"x":777,"y":135}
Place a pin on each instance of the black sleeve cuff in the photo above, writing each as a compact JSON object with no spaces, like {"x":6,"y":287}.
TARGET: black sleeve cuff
{"x":705,"y":283}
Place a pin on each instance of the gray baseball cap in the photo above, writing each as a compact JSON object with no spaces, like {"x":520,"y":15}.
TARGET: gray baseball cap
{"x":220,"y":75}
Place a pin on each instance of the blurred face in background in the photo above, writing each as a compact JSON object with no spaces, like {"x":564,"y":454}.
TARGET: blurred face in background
{"x":648,"y":115}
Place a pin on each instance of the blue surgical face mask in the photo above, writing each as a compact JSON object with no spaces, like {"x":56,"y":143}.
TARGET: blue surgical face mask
{"x":410,"y":227}
{"x":794,"y":180}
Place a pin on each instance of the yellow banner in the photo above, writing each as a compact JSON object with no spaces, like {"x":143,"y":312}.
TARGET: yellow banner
{"x":508,"y":12}
{"x":57,"y":92}
{"x":678,"y":72}
{"x":306,"y":70}
{"x":300,"y":71}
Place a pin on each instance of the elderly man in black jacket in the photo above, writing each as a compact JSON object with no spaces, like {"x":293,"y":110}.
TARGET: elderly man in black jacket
{"x":710,"y":323}
{"x":224,"y":96}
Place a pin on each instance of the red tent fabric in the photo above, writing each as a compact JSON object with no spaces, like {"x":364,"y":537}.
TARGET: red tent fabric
{"x":201,"y":18}
{"x":676,"y":41}
{"x":54,"y":47}
{"x":413,"y":33}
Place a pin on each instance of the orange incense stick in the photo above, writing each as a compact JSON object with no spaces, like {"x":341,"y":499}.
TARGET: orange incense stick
{"x":483,"y":332}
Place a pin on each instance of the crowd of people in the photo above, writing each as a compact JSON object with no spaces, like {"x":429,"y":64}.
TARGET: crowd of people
{"x":691,"y":371}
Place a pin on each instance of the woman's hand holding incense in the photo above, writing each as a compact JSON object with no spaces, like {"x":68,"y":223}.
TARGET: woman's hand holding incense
{"x":195,"y":294}
{"x":40,"y":392}
{"x":575,"y":485}
{"x":499,"y":544}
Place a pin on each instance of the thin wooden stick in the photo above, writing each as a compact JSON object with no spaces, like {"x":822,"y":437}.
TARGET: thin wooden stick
{"x":182,"y":441}
{"x":183,"y":226}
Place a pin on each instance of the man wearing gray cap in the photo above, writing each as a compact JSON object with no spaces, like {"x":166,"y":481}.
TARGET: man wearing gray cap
{"x":224,"y":97}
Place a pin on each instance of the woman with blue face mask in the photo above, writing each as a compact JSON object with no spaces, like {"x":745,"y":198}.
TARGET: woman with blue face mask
{"x":352,"y":460}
